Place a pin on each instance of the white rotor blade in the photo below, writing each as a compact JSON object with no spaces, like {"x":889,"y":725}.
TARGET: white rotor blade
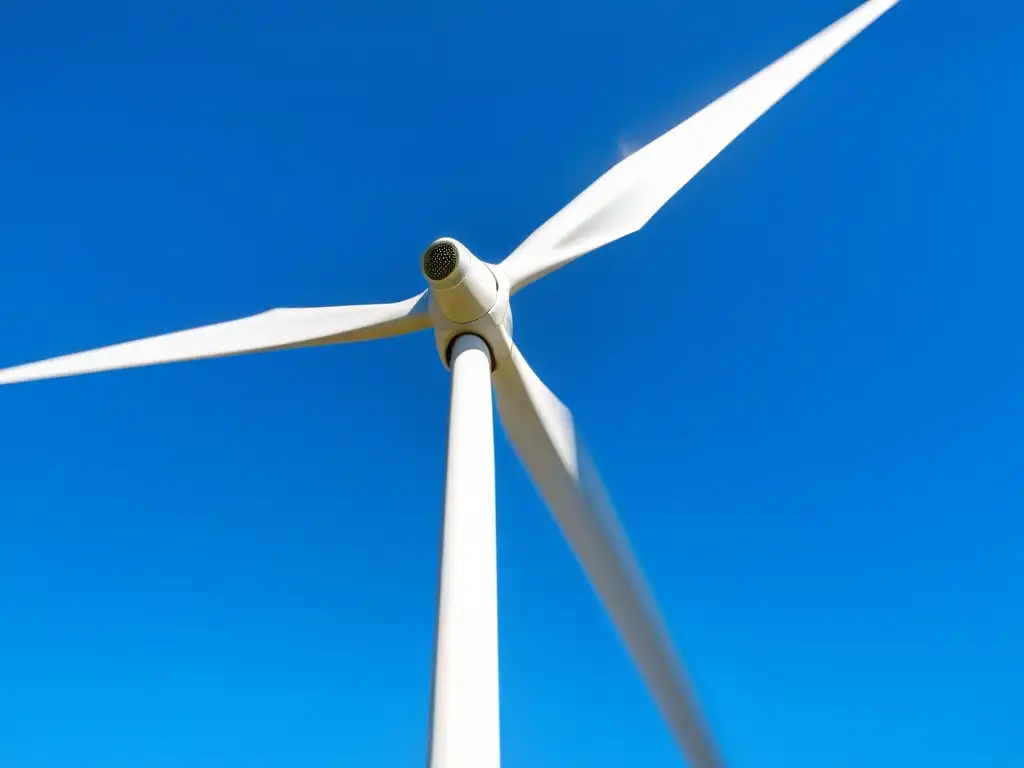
{"x":627,"y":196}
{"x":275,"y":329}
{"x":542,"y":433}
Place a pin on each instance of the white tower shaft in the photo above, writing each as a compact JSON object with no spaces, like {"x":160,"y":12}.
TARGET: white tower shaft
{"x":464,"y":727}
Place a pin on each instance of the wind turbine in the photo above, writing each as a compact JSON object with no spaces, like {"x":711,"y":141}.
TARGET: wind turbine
{"x":467,"y":306}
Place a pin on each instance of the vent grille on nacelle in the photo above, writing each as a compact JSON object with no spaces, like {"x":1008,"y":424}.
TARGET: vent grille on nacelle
{"x":440,"y":261}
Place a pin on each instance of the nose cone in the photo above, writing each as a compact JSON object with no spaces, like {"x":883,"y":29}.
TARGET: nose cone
{"x":440,"y":260}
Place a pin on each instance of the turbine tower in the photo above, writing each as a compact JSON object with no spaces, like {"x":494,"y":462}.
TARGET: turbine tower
{"x":467,"y":305}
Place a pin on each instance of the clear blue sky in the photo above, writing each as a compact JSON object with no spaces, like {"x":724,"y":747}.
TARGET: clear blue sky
{"x":802,"y":381}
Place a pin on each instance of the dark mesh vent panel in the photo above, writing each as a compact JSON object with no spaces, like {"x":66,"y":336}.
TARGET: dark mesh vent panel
{"x":440,"y":261}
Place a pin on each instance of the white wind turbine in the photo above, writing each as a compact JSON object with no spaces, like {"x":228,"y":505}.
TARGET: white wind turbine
{"x":467,"y":305}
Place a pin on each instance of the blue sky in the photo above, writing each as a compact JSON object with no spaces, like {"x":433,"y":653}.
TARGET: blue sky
{"x":802,"y":380}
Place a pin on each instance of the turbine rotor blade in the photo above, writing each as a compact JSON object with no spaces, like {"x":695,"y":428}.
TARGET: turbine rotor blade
{"x":627,"y":196}
{"x":544,"y":437}
{"x":274,"y":329}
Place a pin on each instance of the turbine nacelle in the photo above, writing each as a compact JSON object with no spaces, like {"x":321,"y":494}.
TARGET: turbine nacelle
{"x":467,"y":296}
{"x":462,"y":285}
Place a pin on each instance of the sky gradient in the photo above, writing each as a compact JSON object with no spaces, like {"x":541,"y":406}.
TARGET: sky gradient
{"x":802,"y":381}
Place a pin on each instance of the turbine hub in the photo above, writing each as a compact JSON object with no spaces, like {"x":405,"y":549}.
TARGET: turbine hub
{"x":467,"y":296}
